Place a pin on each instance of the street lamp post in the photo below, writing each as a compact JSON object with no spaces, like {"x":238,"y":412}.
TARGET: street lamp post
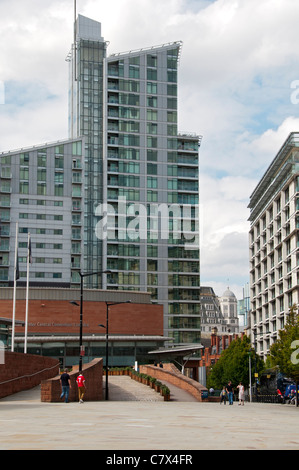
{"x":250,"y":381}
{"x":255,"y":334}
{"x":109,"y":304}
{"x":82,"y":276}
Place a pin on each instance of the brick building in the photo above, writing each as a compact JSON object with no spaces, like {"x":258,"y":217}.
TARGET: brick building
{"x":54,"y":324}
{"x":214,"y":346}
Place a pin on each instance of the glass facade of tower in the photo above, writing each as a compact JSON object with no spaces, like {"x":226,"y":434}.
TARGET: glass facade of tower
{"x":41,"y":194}
{"x":141,"y":185}
{"x":86,"y":119}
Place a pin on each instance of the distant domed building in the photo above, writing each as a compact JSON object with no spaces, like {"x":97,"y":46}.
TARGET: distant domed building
{"x":218,"y":312}
{"x":229,"y":308}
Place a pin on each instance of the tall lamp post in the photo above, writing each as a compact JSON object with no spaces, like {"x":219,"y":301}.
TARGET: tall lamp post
{"x":109,"y":304}
{"x":250,"y":380}
{"x":255,"y":334}
{"x":82,"y":276}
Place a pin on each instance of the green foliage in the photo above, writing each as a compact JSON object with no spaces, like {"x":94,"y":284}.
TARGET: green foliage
{"x":233,"y":365}
{"x":285,"y":351}
{"x":165,"y":390}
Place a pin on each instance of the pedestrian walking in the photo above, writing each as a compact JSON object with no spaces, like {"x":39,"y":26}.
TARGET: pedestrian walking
{"x":230,"y":393}
{"x":65,"y":382}
{"x":280,"y":396}
{"x":81,"y":386}
{"x":223,"y":396}
{"x":241,"y":393}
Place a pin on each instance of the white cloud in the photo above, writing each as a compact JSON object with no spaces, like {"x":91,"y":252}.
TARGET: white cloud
{"x":224,"y":229}
{"x":270,"y":142}
{"x":37,"y":125}
{"x":224,"y":212}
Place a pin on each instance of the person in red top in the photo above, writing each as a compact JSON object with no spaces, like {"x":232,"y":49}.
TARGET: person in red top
{"x":81,"y":386}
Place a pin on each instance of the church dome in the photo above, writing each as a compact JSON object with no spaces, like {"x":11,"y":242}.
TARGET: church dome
{"x":228,"y":293}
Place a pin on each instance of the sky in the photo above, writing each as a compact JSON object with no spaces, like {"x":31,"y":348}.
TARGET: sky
{"x":238,"y":82}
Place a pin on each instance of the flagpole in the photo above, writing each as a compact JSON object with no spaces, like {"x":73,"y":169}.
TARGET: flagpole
{"x":14,"y":292}
{"x":27,"y":295}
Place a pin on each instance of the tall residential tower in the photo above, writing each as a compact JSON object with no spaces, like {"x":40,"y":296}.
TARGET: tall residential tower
{"x":141,"y":186}
{"x":274,"y":239}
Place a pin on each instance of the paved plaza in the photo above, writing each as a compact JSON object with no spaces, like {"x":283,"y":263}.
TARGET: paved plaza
{"x":137,"y":418}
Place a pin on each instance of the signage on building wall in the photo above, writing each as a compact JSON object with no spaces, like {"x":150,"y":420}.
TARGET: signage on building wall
{"x":54,"y":324}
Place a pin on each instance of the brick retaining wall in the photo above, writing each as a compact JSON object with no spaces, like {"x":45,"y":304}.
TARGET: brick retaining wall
{"x":93,"y":373}
{"x":171,"y":374}
{"x":24,"y":371}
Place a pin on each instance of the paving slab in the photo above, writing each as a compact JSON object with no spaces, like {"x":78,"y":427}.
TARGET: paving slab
{"x":146,"y":422}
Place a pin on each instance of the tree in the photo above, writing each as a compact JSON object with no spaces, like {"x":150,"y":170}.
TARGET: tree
{"x":233,"y":364}
{"x":285,"y":351}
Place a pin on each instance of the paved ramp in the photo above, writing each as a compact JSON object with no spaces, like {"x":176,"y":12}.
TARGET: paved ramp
{"x":123,"y":388}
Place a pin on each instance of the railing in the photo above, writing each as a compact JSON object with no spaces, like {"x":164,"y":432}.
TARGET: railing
{"x":29,"y":375}
{"x":269,"y":398}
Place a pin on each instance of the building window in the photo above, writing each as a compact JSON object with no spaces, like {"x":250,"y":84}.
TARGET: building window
{"x":152,"y":169}
{"x":24,"y":174}
{"x":152,"y":182}
{"x":134,"y":71}
{"x":151,"y":60}
{"x":152,"y":88}
{"x":41,"y":189}
{"x":24,"y":187}
{"x":152,"y":74}
{"x":24,"y":158}
{"x":58,"y":190}
{"x":152,"y":196}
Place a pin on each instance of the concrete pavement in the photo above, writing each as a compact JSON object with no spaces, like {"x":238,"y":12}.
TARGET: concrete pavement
{"x":137,"y":418}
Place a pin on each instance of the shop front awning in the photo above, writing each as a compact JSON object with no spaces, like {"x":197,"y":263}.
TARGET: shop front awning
{"x":177,"y":350}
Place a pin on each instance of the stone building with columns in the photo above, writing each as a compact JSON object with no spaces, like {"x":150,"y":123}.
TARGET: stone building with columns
{"x":218,"y":312}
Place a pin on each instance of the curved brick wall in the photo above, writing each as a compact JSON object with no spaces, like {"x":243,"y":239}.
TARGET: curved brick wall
{"x":93,"y":373}
{"x":171,"y":374}
{"x":24,"y":371}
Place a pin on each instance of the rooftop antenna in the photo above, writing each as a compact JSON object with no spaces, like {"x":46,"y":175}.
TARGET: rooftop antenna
{"x":75,"y":37}
{"x":75,"y":16}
